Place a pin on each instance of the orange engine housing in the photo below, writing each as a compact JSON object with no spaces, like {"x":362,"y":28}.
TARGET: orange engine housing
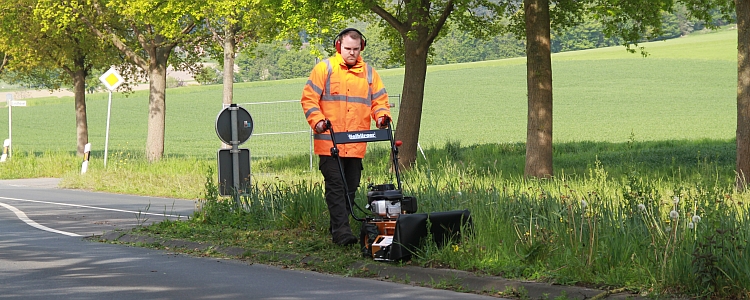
{"x":386,"y":229}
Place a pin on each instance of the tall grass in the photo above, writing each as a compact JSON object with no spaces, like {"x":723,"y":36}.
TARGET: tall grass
{"x":125,"y":173}
{"x":622,"y":218}
{"x":605,"y":219}
{"x":647,"y":233}
{"x":29,"y":164}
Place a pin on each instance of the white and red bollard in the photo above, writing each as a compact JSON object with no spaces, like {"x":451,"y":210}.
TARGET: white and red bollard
{"x":6,"y":146}
{"x":86,"y":155}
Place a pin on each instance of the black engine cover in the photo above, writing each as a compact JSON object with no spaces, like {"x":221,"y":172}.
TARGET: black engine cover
{"x":390,"y":193}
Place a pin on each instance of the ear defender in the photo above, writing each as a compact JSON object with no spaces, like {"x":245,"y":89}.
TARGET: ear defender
{"x":337,"y":41}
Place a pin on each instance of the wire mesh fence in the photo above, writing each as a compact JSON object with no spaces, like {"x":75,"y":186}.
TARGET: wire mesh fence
{"x":280,"y":128}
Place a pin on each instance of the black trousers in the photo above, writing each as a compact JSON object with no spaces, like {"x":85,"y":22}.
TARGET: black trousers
{"x":338,"y":207}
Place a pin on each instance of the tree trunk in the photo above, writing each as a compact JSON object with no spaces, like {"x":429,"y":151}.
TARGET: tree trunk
{"x":539,"y":88}
{"x":743,"y":92}
{"x":229,"y":50}
{"x":3,"y":62}
{"x":79,"y":90}
{"x":157,"y":73}
{"x":410,"y":112}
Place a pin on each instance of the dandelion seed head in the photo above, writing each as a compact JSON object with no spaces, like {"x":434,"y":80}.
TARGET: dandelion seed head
{"x":459,"y":193}
{"x":676,"y":199}
{"x":584,"y":203}
{"x":691,"y":225}
{"x":696,"y":219}
{"x":674,"y":214}
{"x":641,"y":207}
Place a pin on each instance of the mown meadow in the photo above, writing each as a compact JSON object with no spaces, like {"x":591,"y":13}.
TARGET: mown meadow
{"x":643,"y":194}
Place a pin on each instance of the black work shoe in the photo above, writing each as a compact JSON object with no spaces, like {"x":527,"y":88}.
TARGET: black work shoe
{"x":346,"y":240}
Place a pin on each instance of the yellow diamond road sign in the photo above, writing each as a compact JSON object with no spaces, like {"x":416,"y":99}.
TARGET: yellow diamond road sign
{"x":111,"y":79}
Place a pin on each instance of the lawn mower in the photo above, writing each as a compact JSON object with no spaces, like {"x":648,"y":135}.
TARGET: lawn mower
{"x":391,"y":229}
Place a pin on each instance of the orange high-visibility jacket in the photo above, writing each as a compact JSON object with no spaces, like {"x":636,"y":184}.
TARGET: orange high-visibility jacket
{"x":348,"y":97}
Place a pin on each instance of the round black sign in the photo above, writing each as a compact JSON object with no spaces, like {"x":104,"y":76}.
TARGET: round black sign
{"x":224,"y":124}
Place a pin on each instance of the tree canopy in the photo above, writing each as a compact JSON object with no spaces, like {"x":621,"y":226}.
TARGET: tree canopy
{"x":52,"y":51}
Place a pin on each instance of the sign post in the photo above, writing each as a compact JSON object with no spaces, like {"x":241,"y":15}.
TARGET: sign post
{"x":111,"y":80}
{"x":6,"y":151}
{"x":7,"y":148}
{"x":234,"y":125}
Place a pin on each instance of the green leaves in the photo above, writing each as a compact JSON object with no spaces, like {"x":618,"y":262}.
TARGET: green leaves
{"x":167,"y":18}
{"x":47,"y":37}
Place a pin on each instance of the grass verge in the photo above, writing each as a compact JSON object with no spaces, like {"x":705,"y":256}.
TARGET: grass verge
{"x":660,"y":218}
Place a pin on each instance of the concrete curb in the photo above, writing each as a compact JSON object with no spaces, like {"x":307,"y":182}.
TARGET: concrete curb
{"x":491,"y":285}
{"x":431,"y":277}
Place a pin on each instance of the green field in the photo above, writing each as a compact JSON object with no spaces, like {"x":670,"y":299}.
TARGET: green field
{"x":685,"y":89}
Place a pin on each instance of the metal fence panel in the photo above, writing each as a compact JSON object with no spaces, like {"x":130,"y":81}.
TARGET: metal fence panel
{"x":280,"y":128}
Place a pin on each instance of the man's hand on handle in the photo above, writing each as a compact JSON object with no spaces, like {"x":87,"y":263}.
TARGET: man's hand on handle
{"x":383,"y":122}
{"x":321,"y":127}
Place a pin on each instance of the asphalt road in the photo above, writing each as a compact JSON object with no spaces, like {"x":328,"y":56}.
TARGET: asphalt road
{"x":43,"y":255}
{"x":86,"y":213}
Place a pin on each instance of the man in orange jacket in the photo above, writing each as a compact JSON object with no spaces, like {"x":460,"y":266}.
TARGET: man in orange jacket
{"x":346,"y":91}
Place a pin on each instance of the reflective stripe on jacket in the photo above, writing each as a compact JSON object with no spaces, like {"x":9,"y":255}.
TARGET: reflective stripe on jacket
{"x":348,"y":97}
